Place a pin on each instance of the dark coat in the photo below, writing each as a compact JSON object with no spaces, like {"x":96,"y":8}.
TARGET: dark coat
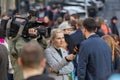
{"x":95,"y":60}
{"x":3,"y":28}
{"x":40,"y":77}
{"x":49,"y":13}
{"x":114,"y":29}
{"x":77,"y":37}
{"x":3,"y":62}
{"x":100,"y":33}
{"x":116,"y":62}
{"x":70,"y":43}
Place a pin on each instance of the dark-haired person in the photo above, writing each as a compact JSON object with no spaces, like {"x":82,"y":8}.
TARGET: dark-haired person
{"x":33,"y":62}
{"x":95,"y":60}
{"x":3,"y":62}
{"x":113,"y":26}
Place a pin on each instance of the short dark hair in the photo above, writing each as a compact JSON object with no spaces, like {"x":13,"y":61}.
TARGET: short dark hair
{"x":90,"y":24}
{"x":67,"y":17}
{"x":76,"y":16}
{"x":114,"y":18}
{"x":31,"y":55}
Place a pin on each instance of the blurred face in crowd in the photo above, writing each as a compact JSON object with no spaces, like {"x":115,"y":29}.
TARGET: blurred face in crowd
{"x":46,"y":19}
{"x":48,"y":7}
{"x":115,"y":21}
{"x":67,"y":31}
{"x":58,"y":40}
{"x":72,"y":18}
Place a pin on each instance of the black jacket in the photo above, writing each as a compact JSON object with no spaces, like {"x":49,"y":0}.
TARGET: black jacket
{"x":40,"y":77}
{"x":114,"y":29}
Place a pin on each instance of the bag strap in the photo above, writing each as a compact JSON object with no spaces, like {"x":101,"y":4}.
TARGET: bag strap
{"x":8,"y":27}
{"x":19,"y":31}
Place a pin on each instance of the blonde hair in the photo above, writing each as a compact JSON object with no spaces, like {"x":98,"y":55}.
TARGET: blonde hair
{"x":110,"y":41}
{"x":54,"y":32}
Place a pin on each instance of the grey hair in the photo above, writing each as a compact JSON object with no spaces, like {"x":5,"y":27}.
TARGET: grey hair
{"x":54,"y":32}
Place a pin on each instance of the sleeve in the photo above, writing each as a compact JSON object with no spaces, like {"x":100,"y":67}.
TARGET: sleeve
{"x":56,"y":66}
{"x":82,"y":62}
{"x":67,"y":69}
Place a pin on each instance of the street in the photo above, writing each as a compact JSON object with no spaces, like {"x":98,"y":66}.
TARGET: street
{"x":111,"y":8}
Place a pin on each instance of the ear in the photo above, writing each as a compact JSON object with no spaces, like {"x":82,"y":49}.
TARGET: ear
{"x":43,"y":63}
{"x":20,"y":62}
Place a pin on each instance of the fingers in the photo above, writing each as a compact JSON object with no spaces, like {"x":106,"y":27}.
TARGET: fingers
{"x":32,"y":31}
{"x":70,"y":57}
{"x":76,"y":49}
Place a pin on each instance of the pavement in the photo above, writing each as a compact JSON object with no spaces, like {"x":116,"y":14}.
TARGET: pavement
{"x":111,"y":8}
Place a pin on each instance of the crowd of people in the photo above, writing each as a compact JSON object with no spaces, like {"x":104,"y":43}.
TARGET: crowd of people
{"x":71,"y":48}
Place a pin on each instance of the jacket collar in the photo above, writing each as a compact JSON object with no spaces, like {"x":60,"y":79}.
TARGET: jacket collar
{"x":56,"y":55}
{"x":93,"y":35}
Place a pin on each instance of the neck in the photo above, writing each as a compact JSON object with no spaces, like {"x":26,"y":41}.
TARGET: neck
{"x":32,"y":72}
{"x":88,"y":35}
{"x":56,"y":47}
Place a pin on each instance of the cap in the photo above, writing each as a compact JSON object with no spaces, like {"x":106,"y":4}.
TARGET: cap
{"x":64,"y":25}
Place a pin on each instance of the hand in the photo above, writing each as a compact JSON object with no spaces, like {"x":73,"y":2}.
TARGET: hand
{"x":32,"y":31}
{"x":70,"y":57}
{"x":76,"y":50}
{"x":50,"y":69}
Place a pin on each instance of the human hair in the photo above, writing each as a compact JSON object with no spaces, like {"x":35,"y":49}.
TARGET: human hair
{"x":31,"y":55}
{"x":100,"y":20}
{"x":111,"y":42}
{"x":67,"y":17}
{"x":75,"y":16}
{"x":98,"y":25}
{"x":117,"y":41}
{"x":54,"y":32}
{"x":116,"y":38}
{"x":59,"y":20}
{"x":90,"y":24}
{"x":114,"y":18}
{"x":73,"y":24}
{"x":79,"y":24}
{"x":3,"y":15}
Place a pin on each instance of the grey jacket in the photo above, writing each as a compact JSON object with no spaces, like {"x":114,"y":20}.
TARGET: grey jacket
{"x":58,"y":64}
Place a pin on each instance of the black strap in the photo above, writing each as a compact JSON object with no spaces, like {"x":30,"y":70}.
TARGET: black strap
{"x":19,"y":31}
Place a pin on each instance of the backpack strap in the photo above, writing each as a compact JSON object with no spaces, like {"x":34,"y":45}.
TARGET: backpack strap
{"x":8,"y":30}
{"x":19,"y":33}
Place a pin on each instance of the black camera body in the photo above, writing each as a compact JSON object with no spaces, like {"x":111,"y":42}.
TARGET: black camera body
{"x":15,"y":25}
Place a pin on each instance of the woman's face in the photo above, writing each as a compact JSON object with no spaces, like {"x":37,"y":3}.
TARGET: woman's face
{"x":59,"y":40}
{"x":46,"y":19}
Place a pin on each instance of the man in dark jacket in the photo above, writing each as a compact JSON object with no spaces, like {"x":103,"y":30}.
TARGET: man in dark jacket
{"x":33,"y":62}
{"x":113,"y":26}
{"x":3,"y":62}
{"x":95,"y":60}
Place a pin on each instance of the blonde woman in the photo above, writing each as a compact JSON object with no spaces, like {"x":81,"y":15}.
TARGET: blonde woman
{"x":115,"y":51}
{"x":58,"y":60}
